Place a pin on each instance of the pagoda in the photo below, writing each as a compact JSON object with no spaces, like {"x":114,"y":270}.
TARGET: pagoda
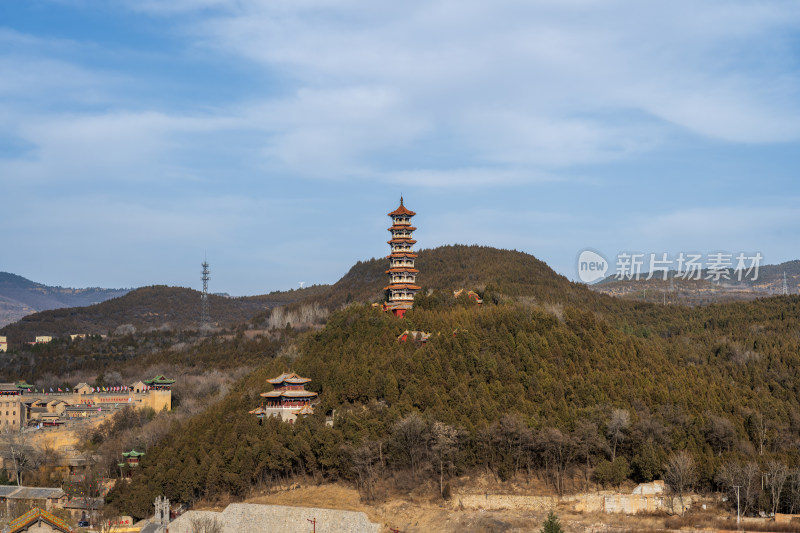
{"x":402,"y":274}
{"x":288,"y":399}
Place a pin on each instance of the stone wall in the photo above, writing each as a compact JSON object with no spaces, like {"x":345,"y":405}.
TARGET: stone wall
{"x":606,"y":502}
{"x":254,"y":518}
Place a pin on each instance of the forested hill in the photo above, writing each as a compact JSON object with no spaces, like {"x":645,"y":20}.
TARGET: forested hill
{"x":510,"y":387}
{"x":453,"y":267}
{"x":145,"y":308}
{"x":495,"y":273}
{"x":20,"y":297}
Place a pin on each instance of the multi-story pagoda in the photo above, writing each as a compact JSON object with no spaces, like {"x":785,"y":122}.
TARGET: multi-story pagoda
{"x":402,"y":274}
{"x":288,"y":399}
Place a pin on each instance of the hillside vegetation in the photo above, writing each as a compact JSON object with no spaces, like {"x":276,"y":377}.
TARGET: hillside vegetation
{"x":515,"y":388}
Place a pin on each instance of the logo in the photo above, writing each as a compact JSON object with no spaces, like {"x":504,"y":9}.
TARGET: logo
{"x":591,"y":266}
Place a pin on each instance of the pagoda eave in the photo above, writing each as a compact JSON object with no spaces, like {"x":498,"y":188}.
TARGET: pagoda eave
{"x":400,"y":227}
{"x":402,"y":240}
{"x":402,"y":286}
{"x":399,"y":270}
{"x":400,"y":211}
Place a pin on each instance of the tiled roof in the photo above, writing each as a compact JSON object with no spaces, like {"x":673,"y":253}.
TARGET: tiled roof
{"x":402,"y":210}
{"x":35,"y":515}
{"x":402,"y":286}
{"x":409,"y":255}
{"x":402,"y":240}
{"x":34,"y":493}
{"x":133,"y":453}
{"x":159,"y":380}
{"x":404,"y":227}
{"x":289,"y":394}
{"x":292,"y":378}
{"x":401,"y":269}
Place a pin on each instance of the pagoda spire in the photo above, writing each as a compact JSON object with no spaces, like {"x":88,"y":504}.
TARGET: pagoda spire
{"x":402,"y":274}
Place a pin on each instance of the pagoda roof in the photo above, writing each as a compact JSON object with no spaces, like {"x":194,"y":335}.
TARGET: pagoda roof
{"x":306,"y":410}
{"x":132,"y":453}
{"x":36,"y":515}
{"x":402,"y":286}
{"x":159,"y":380}
{"x":398,"y":227}
{"x":292,"y":378}
{"x":410,"y":255}
{"x":401,"y":269}
{"x":289,"y":394}
{"x":402,"y":210}
{"x":407,"y":240}
{"x":258,"y":411}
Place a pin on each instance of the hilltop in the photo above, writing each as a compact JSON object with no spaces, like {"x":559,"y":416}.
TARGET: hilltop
{"x":20,"y":297}
{"x":501,"y":273}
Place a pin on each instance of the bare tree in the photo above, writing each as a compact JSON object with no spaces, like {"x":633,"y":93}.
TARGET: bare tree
{"x":776,"y":478}
{"x":680,"y":475}
{"x":411,"y":440}
{"x":745,"y":476}
{"x":794,"y":490}
{"x":720,"y":434}
{"x":559,"y":451}
{"x":617,"y":428}
{"x":364,"y":464}
{"x":444,"y":440}
{"x":15,"y":443}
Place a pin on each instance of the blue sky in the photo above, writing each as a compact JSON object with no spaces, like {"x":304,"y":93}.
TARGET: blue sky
{"x":137,"y":136}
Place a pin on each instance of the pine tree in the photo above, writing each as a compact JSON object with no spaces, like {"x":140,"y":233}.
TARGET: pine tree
{"x":551,"y":524}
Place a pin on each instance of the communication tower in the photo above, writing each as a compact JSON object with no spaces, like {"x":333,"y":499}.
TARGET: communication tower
{"x":204,"y":320}
{"x":785,"y":286}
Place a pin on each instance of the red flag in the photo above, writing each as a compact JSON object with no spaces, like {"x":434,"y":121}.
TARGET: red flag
{"x":59,"y":390}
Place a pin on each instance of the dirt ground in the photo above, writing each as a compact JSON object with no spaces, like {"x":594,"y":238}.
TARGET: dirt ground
{"x":421,"y":511}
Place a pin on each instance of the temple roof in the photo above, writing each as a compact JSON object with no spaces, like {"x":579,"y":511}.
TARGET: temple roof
{"x":401,"y":269}
{"x":289,"y":394}
{"x":406,"y":227}
{"x":407,"y":240}
{"x":132,"y":453}
{"x":402,"y":286}
{"x":410,"y":255}
{"x":291,"y":378}
{"x":36,"y":515}
{"x":306,"y":410}
{"x":402,"y":210}
{"x":159,"y":380}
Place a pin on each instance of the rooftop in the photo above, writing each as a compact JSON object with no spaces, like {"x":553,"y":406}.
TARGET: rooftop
{"x":402,"y":210}
{"x":288,"y":394}
{"x":290,"y":378}
{"x":37,"y":515}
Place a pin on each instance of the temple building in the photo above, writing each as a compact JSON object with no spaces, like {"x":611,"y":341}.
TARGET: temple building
{"x":402,"y":274}
{"x":288,"y":399}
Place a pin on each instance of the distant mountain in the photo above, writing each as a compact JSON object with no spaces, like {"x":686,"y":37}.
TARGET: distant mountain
{"x":703,"y":291}
{"x":156,"y":307}
{"x":20,"y":297}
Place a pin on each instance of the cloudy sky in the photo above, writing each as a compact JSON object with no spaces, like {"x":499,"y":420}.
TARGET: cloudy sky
{"x":273,"y":136}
